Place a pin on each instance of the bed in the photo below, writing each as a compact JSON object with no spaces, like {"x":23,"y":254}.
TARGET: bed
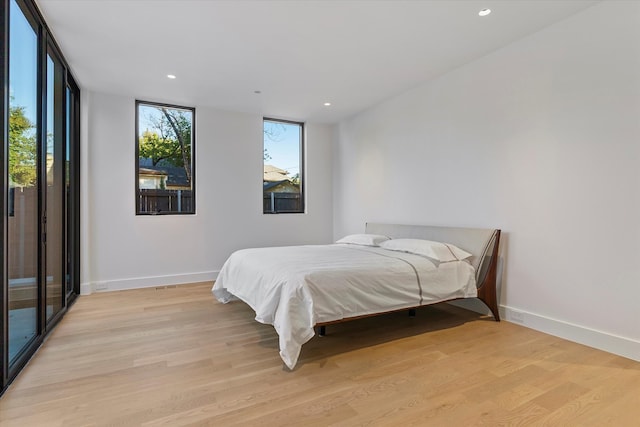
{"x":300,"y":288}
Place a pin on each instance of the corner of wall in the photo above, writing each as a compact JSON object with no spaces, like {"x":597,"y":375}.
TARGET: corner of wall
{"x":86,"y":288}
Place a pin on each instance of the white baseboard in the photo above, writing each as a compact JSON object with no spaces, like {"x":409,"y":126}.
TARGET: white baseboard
{"x":146,"y":282}
{"x":86,"y":288}
{"x":615,"y":344}
{"x":622,"y":346}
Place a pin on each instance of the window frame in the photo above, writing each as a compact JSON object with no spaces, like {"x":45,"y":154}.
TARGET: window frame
{"x":138,"y":103}
{"x":303,"y":204}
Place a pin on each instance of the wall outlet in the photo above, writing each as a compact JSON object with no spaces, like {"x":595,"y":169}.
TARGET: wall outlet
{"x":101,"y":286}
{"x":516,"y":316}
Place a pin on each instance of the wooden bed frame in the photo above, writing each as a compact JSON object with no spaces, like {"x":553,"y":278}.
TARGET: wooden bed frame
{"x":482,"y":243}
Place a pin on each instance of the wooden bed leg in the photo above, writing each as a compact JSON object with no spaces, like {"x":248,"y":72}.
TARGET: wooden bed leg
{"x":322,"y":331}
{"x":412,"y":312}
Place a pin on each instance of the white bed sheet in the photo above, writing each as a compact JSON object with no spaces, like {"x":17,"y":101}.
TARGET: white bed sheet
{"x":295,"y":287}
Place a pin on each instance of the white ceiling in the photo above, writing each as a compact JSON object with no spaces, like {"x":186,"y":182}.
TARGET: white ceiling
{"x":299,"y":54}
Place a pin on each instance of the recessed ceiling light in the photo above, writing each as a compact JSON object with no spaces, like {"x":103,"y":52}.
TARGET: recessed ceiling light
{"x":484,"y":12}
{"x":171,"y":76}
{"x":327,"y":104}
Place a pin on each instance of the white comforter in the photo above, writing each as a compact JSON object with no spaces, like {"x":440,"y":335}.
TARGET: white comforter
{"x":295,"y":287}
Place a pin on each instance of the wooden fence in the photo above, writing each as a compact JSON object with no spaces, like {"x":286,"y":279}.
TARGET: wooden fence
{"x":23,"y":233}
{"x":282,"y":202}
{"x":154,"y":201}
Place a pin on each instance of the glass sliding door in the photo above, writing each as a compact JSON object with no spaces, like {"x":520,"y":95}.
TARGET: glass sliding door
{"x":39,"y":118}
{"x":22,"y":234}
{"x":54,"y":220}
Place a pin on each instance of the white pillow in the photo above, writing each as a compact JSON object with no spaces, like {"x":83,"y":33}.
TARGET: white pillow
{"x":442,"y":252}
{"x":363,"y":239}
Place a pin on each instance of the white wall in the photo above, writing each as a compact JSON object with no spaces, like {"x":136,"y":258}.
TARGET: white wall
{"x":541,"y":139}
{"x":121,"y":250}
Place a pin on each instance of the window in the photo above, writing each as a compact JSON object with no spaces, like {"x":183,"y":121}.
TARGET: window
{"x":165,"y":159}
{"x":282,"y":183}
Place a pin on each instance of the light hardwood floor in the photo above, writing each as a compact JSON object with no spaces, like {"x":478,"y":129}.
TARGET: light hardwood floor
{"x":174,"y":356}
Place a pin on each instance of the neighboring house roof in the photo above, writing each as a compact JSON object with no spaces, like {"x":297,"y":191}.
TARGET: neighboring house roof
{"x":176,"y":176}
{"x":284,"y":186}
{"x":270,"y":185}
{"x":274,"y":174}
{"x":147,"y":171}
{"x":274,"y":177}
{"x":271,"y":168}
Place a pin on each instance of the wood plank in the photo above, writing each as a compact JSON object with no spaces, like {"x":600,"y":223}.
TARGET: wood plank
{"x":175,"y":356}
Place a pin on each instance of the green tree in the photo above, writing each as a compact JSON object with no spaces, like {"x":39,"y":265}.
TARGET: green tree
{"x":295,"y":179}
{"x":169,"y":139}
{"x":22,"y":148}
{"x":181,"y":126}
{"x":157,"y":148}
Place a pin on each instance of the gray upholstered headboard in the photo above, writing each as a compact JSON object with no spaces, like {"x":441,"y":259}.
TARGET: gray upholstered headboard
{"x":478,"y":241}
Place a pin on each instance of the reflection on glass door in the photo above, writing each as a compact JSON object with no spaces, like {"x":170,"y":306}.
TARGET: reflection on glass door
{"x":22,"y":236}
{"x":55,"y":186}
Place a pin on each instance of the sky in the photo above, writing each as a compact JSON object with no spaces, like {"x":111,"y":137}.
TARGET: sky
{"x":23,"y":44}
{"x":284,"y":148}
{"x":147,"y":112}
{"x":23,"y":71}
